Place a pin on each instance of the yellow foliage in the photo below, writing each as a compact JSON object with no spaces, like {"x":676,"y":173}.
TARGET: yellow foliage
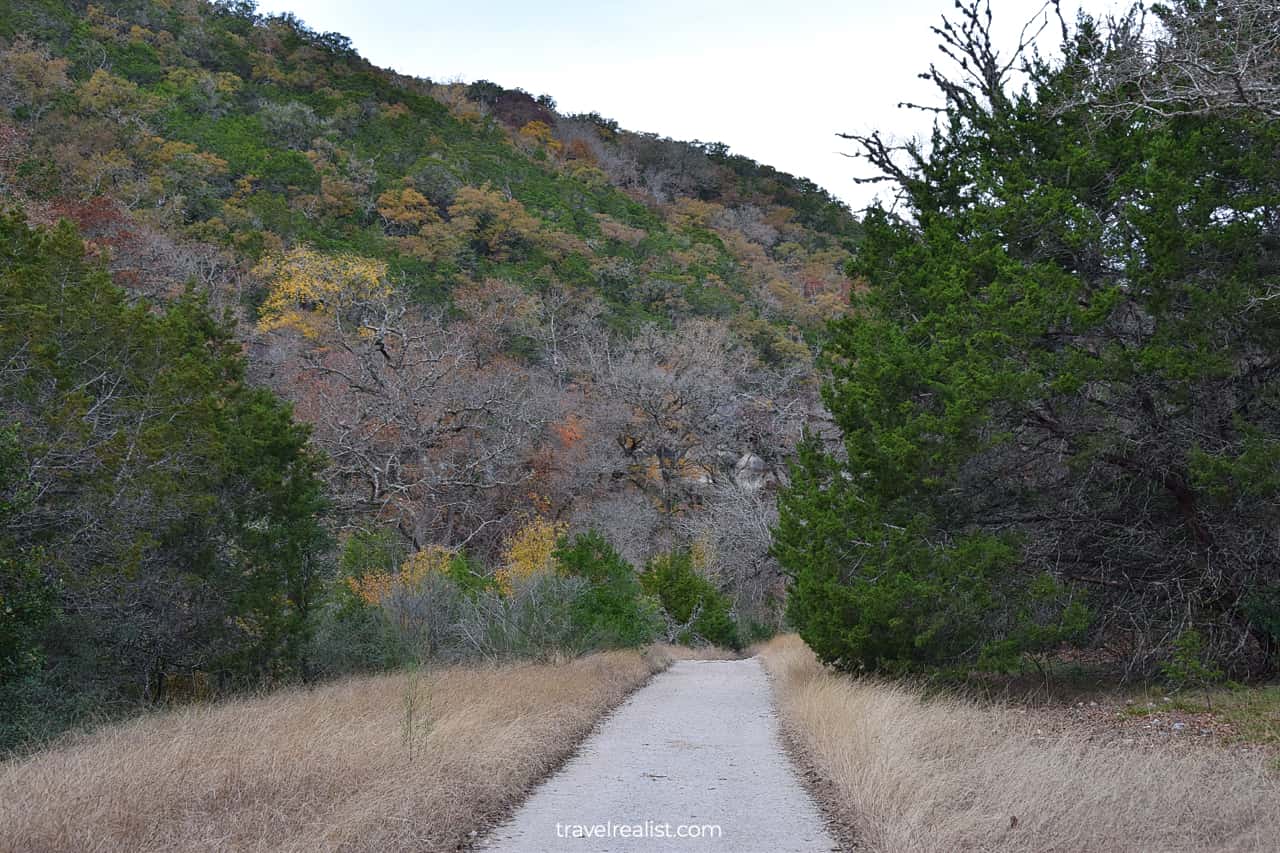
{"x":406,"y":208}
{"x":265,"y":67}
{"x":227,"y":83}
{"x":702,"y":554}
{"x":374,"y":587}
{"x":96,"y":172}
{"x":245,"y":186}
{"x":530,"y":551}
{"x":310,"y":290}
{"x":222,"y":82}
{"x":454,"y":96}
{"x":779,"y":216}
{"x":184,"y":157}
{"x":431,"y":559}
{"x":478,"y":215}
{"x":693,"y":213}
{"x":539,"y":133}
{"x":588,"y":174}
{"x":28,"y":75}
{"x":495,"y":220}
{"x":113,"y":96}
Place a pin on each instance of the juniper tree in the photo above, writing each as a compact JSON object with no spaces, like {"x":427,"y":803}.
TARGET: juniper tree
{"x":1059,"y":391}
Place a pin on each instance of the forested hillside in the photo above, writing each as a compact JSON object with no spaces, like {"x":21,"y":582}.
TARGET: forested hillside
{"x":366,"y":441}
{"x":310,"y":368}
{"x":285,"y":337}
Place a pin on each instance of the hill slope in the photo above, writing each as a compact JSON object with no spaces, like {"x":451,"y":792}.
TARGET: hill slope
{"x":499,"y":324}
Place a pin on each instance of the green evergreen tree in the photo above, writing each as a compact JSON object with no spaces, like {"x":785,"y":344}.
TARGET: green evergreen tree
{"x":169,"y":511}
{"x":1059,"y":387}
{"x":612,"y":611}
{"x":702,"y":613}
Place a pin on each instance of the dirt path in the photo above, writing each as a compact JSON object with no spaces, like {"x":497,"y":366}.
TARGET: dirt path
{"x":696,"y":750}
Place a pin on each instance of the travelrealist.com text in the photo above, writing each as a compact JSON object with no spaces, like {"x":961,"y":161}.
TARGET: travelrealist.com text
{"x":643,"y":829}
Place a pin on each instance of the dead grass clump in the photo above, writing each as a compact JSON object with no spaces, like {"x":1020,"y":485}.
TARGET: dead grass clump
{"x":370,"y":763}
{"x":696,"y":652}
{"x":914,"y":774}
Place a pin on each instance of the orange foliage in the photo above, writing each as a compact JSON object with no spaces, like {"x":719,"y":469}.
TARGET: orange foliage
{"x":579,"y":149}
{"x":570,"y":431}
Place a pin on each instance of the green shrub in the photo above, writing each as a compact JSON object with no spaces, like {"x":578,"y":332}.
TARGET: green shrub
{"x":425,"y":615}
{"x":696,"y":611}
{"x":752,"y":631}
{"x":594,"y":601}
{"x":350,"y":637}
{"x":469,"y":575}
{"x":27,"y":603}
{"x":1187,"y":666}
{"x":612,"y":610}
{"x":372,"y":550}
{"x":44,"y":704}
{"x":895,"y":601}
{"x":1262,"y":606}
{"x":414,"y":621}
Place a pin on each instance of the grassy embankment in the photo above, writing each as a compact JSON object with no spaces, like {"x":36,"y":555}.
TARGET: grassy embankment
{"x":396,"y":761}
{"x":909,"y":772}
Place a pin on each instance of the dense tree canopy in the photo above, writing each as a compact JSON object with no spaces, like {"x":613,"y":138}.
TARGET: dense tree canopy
{"x":160,"y":515}
{"x":1058,"y":394}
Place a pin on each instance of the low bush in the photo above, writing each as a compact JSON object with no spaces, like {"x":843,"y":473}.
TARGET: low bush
{"x":535,"y":619}
{"x":389,"y":610}
{"x":695,"y":610}
{"x":612,"y":611}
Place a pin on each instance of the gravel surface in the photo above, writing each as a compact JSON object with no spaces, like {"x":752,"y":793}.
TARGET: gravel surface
{"x":698,"y":749}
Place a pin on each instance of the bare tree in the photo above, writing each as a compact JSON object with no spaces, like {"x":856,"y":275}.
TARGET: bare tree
{"x":425,"y":426}
{"x":1195,"y":58}
{"x":736,"y":526}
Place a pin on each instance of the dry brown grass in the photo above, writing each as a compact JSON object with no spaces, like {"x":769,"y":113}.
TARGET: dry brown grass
{"x":700,"y":653}
{"x":909,"y":773}
{"x":321,"y":769}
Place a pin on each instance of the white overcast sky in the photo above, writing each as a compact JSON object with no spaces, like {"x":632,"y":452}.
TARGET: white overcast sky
{"x":773,"y":80}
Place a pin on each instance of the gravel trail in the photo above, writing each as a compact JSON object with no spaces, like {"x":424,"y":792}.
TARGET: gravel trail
{"x":696,"y":749}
